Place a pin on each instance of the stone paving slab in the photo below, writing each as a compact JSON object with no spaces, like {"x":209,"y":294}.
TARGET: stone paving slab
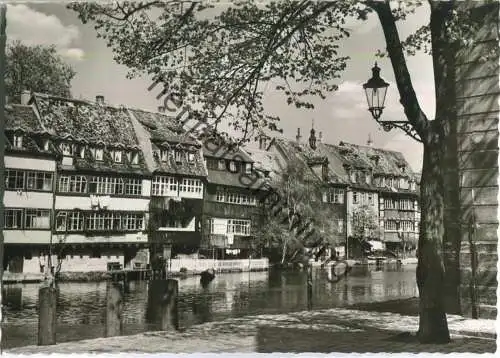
{"x":343,"y":330}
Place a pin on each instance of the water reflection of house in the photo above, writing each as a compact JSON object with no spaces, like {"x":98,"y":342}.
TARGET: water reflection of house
{"x":177,"y":184}
{"x":232,"y":211}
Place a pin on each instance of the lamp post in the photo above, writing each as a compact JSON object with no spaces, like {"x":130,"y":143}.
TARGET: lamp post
{"x":375,"y":91}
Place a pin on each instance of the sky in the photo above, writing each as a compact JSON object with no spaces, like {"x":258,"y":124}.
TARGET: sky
{"x":342,"y":116}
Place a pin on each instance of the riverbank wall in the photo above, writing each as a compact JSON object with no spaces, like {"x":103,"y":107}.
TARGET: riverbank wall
{"x":175,"y":268}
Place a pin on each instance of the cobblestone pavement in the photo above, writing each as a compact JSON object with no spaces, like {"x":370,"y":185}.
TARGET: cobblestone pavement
{"x":337,"y":330}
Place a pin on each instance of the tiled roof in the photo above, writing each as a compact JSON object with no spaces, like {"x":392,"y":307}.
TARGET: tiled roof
{"x":166,"y":133}
{"x":184,"y":167}
{"x":294,"y":152}
{"x":389,"y":162}
{"x":85,"y":121}
{"x":262,"y":159}
{"x":162,"y":128}
{"x":226,"y":178}
{"x":106,"y":165}
{"x":21,"y":117}
{"x":213,"y":149}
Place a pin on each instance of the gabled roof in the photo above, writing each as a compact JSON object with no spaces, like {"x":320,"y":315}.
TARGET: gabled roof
{"x":84,"y":121}
{"x":218,"y":149}
{"x":389,"y":162}
{"x":22,"y":117}
{"x":162,"y":128}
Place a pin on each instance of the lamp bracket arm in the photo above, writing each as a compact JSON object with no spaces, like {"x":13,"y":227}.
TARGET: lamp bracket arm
{"x":416,"y":117}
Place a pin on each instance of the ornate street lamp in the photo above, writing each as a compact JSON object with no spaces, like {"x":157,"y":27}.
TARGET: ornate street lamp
{"x":376,"y":90}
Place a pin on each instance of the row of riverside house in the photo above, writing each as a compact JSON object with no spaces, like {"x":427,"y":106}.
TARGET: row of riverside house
{"x":104,"y":187}
{"x":355,"y":176}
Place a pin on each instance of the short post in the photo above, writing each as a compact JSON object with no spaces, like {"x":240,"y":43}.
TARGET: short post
{"x":309,"y":287}
{"x":47,"y":308}
{"x":114,"y":309}
{"x":169,"y":306}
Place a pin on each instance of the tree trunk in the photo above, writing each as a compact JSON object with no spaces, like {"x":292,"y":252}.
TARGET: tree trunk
{"x":433,"y":327}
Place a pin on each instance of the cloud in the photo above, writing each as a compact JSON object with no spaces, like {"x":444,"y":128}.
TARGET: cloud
{"x":36,"y":28}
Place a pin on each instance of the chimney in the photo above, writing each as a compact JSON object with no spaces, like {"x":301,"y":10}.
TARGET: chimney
{"x":161,"y":109}
{"x":320,"y":137}
{"x":298,"y":136}
{"x":312,"y":139}
{"x":25,"y":97}
{"x":99,"y":99}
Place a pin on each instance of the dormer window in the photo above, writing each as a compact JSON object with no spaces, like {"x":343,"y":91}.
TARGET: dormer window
{"x":117,"y":156}
{"x":354,"y":177}
{"x":164,"y":155}
{"x":135,"y":158}
{"x":99,"y":154}
{"x":222,"y":164}
{"x":232,"y":166}
{"x":82,"y":152}
{"x":66,"y":149}
{"x":18,"y":141}
{"x":46,"y":144}
{"x":191,"y":157}
{"x":248,"y":168}
{"x":382,"y":181}
{"x":178,"y":156}
{"x":403,"y":169}
{"x":368,"y":178}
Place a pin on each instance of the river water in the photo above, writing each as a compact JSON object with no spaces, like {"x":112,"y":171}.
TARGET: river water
{"x":81,"y":306}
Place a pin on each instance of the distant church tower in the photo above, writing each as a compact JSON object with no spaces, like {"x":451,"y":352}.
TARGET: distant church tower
{"x":312,"y":137}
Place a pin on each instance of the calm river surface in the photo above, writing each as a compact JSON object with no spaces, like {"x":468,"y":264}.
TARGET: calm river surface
{"x":81,"y":306}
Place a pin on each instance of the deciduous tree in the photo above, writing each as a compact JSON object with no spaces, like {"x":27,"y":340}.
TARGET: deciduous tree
{"x":36,"y":68}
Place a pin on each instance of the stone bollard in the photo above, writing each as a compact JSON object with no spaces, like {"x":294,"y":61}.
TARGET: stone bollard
{"x":47,"y":308}
{"x":162,"y":305}
{"x":114,"y":309}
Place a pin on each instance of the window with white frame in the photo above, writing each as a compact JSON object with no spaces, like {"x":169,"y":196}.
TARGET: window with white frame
{"x":105,"y":185}
{"x":406,"y":204}
{"x":132,"y":222}
{"x":222,"y":164}
{"x":413,"y":185}
{"x":103,"y":221}
{"x":69,"y":221}
{"x":135,"y":158}
{"x":220,"y":195}
{"x":335,"y":196}
{"x":238,"y":227}
{"x":133,"y":187}
{"x":340,"y":226}
{"x":66,"y":149}
{"x":13,"y":218}
{"x":390,"y":225}
{"x":408,"y":226}
{"x":354,"y":177}
{"x":191,"y":157}
{"x":248,"y":168}
{"x":370,"y":199}
{"x":163,"y":186}
{"x":37,"y":219}
{"x":99,"y":154}
{"x":190,"y":186}
{"x":164,"y":155}
{"x":72,"y":184}
{"x":211,"y":226}
{"x":389,"y":204}
{"x":178,"y":156}
{"x":368,"y":178}
{"x":232,"y":166}
{"x":355,"y":197}
{"x":39,"y":181}
{"x":46,"y":144}
{"x":382,"y":181}
{"x":117,"y":156}
{"x":82,"y":152}
{"x":18,"y":141}
{"x":14,"y":179}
